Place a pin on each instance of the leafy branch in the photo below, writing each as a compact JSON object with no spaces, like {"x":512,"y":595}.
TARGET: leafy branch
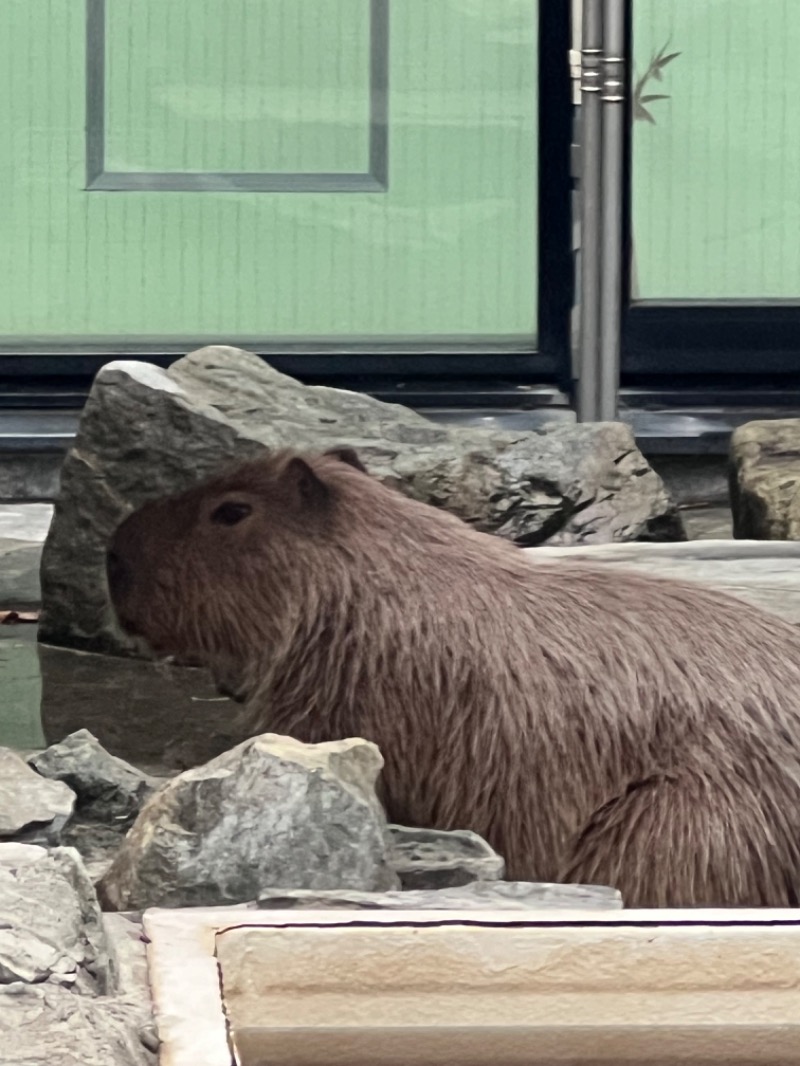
{"x":653,"y":73}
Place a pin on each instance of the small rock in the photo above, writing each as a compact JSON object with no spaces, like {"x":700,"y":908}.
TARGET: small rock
{"x":764,"y":480}
{"x":433,"y":858}
{"x":480,"y":895}
{"x":270,"y":812}
{"x":33,"y":810}
{"x":107,"y":788}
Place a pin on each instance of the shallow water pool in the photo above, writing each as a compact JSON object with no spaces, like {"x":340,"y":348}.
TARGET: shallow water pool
{"x":153,"y":715}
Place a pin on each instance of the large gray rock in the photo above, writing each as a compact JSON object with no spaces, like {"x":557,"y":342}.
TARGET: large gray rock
{"x":108,"y":789}
{"x":42,"y":1025}
{"x":50,"y":924}
{"x":764,"y":478}
{"x":435,"y":858}
{"x":480,"y":895}
{"x":72,"y":986}
{"x":146,"y":433}
{"x":271,"y":812}
{"x":41,"y":928}
{"x":33,"y":810}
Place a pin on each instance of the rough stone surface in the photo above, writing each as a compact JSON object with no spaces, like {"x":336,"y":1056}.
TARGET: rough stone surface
{"x":764,"y":574}
{"x":271,"y":812}
{"x":33,"y":810}
{"x":42,"y":1025}
{"x":480,"y":895}
{"x":764,"y":480}
{"x":95,"y":842}
{"x":146,"y":433}
{"x":433,"y":858}
{"x":73,"y":986}
{"x":107,"y":788}
{"x":41,"y":918}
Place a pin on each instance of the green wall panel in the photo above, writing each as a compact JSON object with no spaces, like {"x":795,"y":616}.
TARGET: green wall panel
{"x":244,"y":85}
{"x":716,"y":179}
{"x":270,"y":86}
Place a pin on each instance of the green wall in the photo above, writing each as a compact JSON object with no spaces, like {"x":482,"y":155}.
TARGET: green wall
{"x":716,"y":181}
{"x":269,"y":85}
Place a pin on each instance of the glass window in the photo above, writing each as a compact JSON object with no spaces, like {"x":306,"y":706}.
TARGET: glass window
{"x":244,"y":169}
{"x":716,"y":155}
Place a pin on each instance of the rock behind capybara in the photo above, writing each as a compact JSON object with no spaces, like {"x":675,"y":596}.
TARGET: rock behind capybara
{"x":594,"y":727}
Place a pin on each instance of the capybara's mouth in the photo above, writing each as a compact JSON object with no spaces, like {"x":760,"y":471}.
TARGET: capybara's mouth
{"x":237,"y":695}
{"x":128,"y":626}
{"x":144,"y":643}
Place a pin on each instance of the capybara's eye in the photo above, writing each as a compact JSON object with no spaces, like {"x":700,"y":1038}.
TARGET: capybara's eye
{"x":230,"y":514}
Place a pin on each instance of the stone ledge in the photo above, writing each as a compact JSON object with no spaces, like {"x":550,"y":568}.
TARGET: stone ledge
{"x":688,"y":987}
{"x":765,"y":573}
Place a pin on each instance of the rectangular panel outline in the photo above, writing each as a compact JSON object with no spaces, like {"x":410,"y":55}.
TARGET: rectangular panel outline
{"x":375,"y":179}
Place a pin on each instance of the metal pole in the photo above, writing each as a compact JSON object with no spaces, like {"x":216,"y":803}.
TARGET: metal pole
{"x":613,"y":97}
{"x":591,"y":161}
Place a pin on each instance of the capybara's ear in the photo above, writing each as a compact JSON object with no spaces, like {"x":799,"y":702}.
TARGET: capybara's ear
{"x":349,"y":456}
{"x":305,"y":485}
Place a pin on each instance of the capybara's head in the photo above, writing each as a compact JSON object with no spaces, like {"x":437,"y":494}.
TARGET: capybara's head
{"x":212,"y":572}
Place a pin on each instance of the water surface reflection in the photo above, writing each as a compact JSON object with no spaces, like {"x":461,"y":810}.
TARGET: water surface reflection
{"x":153,"y":715}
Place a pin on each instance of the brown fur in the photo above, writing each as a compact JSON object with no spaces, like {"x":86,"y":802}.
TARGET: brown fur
{"x":594,"y":727}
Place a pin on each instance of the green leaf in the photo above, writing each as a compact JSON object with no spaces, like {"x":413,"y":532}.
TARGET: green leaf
{"x":640,"y":112}
{"x":653,"y":96}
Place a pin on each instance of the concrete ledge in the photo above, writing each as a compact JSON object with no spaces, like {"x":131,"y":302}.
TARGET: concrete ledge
{"x":409,"y":988}
{"x":765,"y":573}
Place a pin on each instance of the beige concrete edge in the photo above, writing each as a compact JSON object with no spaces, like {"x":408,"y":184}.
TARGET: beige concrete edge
{"x":728,"y":550}
{"x":184,"y":974}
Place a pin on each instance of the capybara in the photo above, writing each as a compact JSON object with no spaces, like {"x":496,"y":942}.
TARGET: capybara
{"x":595,"y":727}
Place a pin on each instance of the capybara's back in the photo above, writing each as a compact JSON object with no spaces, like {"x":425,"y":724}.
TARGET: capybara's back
{"x":594,"y":727}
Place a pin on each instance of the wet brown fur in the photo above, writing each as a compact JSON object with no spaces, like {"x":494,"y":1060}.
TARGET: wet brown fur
{"x":593,"y":726}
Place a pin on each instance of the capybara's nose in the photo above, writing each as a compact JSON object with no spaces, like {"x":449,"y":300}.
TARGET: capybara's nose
{"x":116,"y":570}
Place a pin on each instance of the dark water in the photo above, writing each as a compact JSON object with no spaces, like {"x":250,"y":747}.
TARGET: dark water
{"x":154,"y":716}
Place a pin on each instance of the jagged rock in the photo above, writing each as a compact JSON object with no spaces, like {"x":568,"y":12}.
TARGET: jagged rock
{"x":764,"y":479}
{"x":480,"y":895}
{"x":42,"y":1025}
{"x":271,"y":812}
{"x":146,"y":433}
{"x":73,"y":990}
{"x":434,"y":859}
{"x":50,"y":924}
{"x":96,"y":843}
{"x":108,"y":789}
{"x":33,"y":810}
